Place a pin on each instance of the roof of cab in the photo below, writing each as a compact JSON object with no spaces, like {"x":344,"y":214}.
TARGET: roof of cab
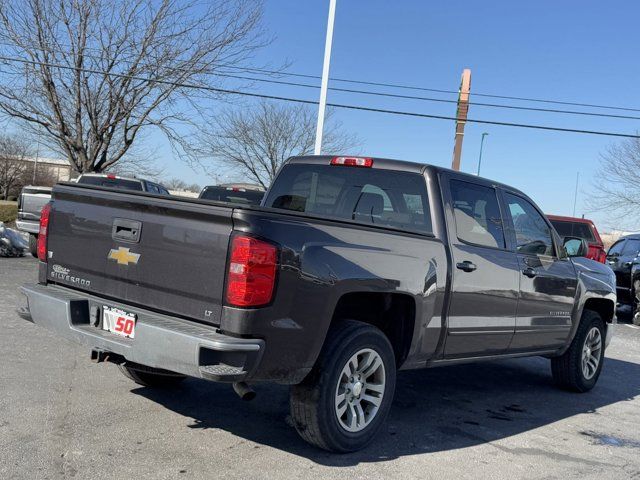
{"x":401,"y":165}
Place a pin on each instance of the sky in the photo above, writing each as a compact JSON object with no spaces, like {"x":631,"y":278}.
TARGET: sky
{"x":577,"y":51}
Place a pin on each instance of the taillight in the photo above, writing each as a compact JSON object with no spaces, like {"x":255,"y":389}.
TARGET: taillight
{"x":352,"y":161}
{"x":42,"y":233}
{"x":252,"y":272}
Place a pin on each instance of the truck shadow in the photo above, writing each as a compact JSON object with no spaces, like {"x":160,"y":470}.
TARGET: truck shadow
{"x":434,"y":410}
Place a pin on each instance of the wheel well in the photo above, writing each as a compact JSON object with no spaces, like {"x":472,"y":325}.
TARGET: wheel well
{"x":605,"y":308}
{"x":393,"y":313}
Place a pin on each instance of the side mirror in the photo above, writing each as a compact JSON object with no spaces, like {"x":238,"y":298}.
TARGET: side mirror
{"x":575,"y":247}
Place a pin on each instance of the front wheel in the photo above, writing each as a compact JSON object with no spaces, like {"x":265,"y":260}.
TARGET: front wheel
{"x":579,"y":367}
{"x":345,"y":399}
{"x":149,"y":376}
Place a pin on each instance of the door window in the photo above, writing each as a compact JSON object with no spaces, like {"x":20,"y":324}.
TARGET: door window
{"x":632,"y":247}
{"x":477,"y":214}
{"x":533,"y":235}
{"x":616,"y":248}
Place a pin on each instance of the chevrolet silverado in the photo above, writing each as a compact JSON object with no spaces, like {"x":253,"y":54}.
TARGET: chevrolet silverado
{"x":351,"y":269}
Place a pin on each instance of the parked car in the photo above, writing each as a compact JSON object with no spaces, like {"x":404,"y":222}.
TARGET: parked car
{"x":30,"y":203}
{"x":247,"y":194}
{"x":635,"y":292}
{"x":121,"y":183}
{"x":582,"y":228}
{"x":352,"y":269}
{"x":622,"y":257}
{"x":32,"y":199}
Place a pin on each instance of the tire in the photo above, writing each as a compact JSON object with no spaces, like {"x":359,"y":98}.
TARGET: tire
{"x":569,"y":369}
{"x":149,"y":376}
{"x":33,"y":245}
{"x":314,"y":402}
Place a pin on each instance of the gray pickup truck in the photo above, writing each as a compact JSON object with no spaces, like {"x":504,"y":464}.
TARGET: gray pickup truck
{"x":352,"y":268}
{"x":33,"y":198}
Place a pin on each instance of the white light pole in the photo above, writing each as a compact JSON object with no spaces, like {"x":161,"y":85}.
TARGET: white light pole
{"x":325,"y":78}
{"x":35,"y":164}
{"x":480,"y":157}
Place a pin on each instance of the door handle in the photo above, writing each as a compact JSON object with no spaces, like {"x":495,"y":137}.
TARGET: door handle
{"x":529,"y":272}
{"x":466,"y":266}
{"x":126,"y":230}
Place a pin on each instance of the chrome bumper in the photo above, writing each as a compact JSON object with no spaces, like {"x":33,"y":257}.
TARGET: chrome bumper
{"x":28,"y":226}
{"x":160,"y":341}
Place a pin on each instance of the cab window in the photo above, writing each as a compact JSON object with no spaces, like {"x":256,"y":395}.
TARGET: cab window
{"x":477,"y":214}
{"x":533,"y":235}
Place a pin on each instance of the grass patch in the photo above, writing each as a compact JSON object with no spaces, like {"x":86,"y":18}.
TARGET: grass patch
{"x":8,"y":212}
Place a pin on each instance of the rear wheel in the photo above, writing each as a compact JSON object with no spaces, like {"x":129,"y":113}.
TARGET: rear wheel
{"x":579,"y":367}
{"x":149,"y":376}
{"x":33,"y":245}
{"x":345,"y":399}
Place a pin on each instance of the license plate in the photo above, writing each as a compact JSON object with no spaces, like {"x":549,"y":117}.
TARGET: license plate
{"x":118,"y":321}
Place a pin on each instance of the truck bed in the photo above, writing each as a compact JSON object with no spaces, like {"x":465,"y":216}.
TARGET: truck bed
{"x":162,"y":253}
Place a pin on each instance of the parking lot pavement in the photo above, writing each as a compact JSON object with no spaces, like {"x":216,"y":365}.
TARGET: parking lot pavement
{"x":62,"y":416}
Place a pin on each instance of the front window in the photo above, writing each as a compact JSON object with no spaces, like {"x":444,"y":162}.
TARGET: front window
{"x":632,"y":247}
{"x":573,"y":229}
{"x":616,"y":248}
{"x":533,"y":235}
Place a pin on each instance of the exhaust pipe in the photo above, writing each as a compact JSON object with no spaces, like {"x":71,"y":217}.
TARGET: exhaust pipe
{"x":244,"y":391}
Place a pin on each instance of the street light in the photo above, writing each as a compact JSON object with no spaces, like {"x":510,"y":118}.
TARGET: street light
{"x":481,"y":145}
{"x":322,"y":104}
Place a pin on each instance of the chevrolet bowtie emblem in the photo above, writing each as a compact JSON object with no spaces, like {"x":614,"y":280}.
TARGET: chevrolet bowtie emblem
{"x":123,"y":256}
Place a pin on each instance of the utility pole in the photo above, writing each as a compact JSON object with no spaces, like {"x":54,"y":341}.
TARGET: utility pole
{"x":325,"y":77}
{"x":480,"y":157}
{"x":461,"y":116}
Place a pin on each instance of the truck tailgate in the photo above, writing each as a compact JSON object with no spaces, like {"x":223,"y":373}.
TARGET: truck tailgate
{"x":160,"y":253}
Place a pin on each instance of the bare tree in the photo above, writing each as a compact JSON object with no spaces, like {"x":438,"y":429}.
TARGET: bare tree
{"x":14,"y":166}
{"x":256,"y":141}
{"x":91,"y":75}
{"x":175,"y":184}
{"x":617,"y":182}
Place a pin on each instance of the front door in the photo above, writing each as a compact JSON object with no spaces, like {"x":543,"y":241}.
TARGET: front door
{"x":547,"y":283}
{"x":484,"y":290}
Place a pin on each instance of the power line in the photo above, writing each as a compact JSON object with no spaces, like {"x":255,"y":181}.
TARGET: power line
{"x":410,"y":97}
{"x":429,"y":99}
{"x":436,"y":90}
{"x":265,"y":71}
{"x":312,"y":102}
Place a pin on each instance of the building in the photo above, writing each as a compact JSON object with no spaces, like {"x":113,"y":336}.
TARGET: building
{"x":59,"y":169}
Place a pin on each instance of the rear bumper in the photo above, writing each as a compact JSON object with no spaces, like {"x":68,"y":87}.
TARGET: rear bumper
{"x":161,"y":341}
{"x":28,"y":226}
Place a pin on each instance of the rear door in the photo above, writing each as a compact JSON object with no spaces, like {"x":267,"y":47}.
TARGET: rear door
{"x":547,"y":283}
{"x":484,"y":292}
{"x":156,"y":252}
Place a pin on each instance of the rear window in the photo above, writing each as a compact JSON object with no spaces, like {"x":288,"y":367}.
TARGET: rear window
{"x":228,"y":194}
{"x":573,"y":229}
{"x":118,"y":183}
{"x":379,"y":197}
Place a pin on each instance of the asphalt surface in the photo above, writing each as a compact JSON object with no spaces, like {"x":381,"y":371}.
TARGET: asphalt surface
{"x":63,"y":417}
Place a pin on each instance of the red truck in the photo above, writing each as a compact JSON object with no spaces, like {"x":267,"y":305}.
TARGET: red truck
{"x":583,"y":228}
